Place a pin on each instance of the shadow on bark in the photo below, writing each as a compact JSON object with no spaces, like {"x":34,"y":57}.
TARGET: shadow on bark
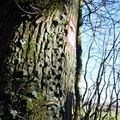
{"x":9,"y":20}
{"x":68,"y":106}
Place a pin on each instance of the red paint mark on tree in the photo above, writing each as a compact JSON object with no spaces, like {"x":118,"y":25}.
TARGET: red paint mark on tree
{"x":71,"y":36}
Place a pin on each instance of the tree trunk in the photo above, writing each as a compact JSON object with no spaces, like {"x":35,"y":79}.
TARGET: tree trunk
{"x":38,"y":62}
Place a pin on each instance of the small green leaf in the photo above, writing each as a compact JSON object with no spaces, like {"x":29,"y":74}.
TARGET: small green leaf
{"x":34,"y":93}
{"x":13,"y":113}
{"x":71,"y":28}
{"x":67,"y":22}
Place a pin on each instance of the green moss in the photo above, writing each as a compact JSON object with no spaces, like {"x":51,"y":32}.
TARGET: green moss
{"x":29,"y":53}
{"x":27,"y":45}
{"x":37,"y":107}
{"x":55,"y":8}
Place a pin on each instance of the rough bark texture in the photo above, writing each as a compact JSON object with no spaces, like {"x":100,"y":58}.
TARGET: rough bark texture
{"x":38,"y":65}
{"x":78,"y":105}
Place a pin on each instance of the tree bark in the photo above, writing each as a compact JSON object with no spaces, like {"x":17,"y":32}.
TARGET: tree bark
{"x":78,"y":63}
{"x":38,"y":71}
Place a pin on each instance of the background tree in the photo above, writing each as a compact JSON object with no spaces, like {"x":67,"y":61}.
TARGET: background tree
{"x":38,"y":42}
{"x":101,"y":60}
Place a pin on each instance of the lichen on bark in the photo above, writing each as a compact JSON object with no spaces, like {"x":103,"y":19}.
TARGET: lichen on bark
{"x":39,"y":60}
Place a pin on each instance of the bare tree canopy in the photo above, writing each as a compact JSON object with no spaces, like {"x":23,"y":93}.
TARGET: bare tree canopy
{"x":101,"y":65}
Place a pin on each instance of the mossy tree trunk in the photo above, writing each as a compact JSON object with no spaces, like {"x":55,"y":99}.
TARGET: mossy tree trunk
{"x":38,"y":70}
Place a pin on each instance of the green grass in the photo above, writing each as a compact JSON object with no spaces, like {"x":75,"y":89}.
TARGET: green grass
{"x":102,"y":115}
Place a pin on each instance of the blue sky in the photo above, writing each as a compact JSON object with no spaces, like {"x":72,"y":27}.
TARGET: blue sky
{"x":103,"y":34}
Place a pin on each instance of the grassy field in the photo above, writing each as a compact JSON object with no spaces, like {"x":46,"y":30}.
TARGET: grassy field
{"x":102,"y":115}
{"x":110,"y":115}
